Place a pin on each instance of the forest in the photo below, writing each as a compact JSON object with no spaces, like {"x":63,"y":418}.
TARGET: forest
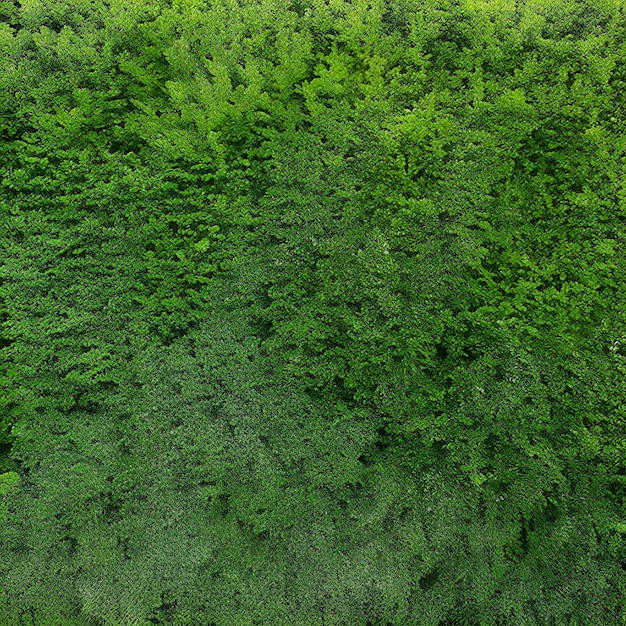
{"x":312,"y":312}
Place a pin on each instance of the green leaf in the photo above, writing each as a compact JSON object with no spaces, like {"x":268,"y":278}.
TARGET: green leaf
{"x":8,"y":480}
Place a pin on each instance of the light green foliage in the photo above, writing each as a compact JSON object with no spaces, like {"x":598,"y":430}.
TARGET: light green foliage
{"x":8,"y":480}
{"x":311,"y":313}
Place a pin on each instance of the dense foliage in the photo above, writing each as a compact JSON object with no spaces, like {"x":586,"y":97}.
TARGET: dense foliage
{"x":313,"y":312}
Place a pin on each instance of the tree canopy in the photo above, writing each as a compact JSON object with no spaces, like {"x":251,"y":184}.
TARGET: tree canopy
{"x":312,"y":312}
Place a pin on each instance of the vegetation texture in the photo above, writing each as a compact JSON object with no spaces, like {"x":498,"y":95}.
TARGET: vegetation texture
{"x":313,"y":312}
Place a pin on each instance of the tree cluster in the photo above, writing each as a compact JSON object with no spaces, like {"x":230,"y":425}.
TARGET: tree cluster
{"x":312,"y":312}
